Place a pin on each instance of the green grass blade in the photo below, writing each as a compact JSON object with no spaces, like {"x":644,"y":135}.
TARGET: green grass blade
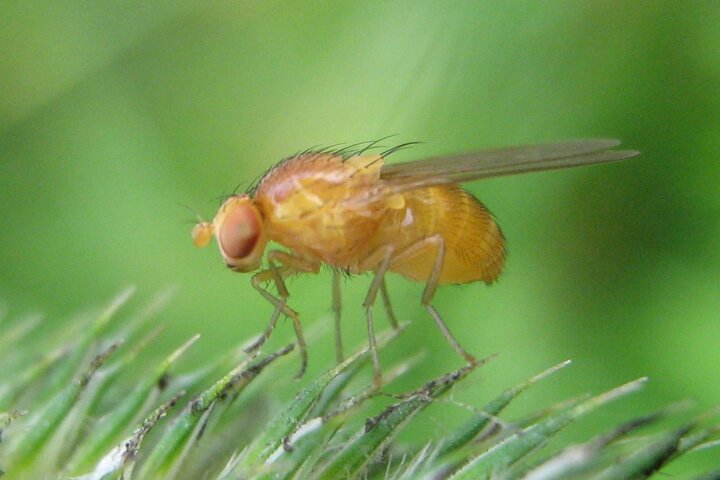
{"x":475,"y":425}
{"x":83,"y":425}
{"x":30,"y":377}
{"x":172,"y":447}
{"x":284,"y":424}
{"x":703,"y":439}
{"x":6,"y":418}
{"x":713,"y":475}
{"x":643,"y":463}
{"x":304,"y":448}
{"x":80,"y":352}
{"x":356,"y":455}
{"x":64,"y":441}
{"x":16,"y":333}
{"x":111,"y":426}
{"x":580,"y":459}
{"x":518,"y":445}
{"x":44,"y":423}
{"x":123,"y":456}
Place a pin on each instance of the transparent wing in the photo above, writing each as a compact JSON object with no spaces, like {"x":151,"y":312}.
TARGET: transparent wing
{"x":494,"y":163}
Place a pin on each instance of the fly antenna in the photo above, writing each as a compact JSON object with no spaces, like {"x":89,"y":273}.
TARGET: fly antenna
{"x":198,"y":217}
{"x":202,"y":231}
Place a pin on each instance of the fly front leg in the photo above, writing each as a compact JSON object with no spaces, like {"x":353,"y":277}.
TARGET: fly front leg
{"x":291,"y":265}
{"x":380,"y":261}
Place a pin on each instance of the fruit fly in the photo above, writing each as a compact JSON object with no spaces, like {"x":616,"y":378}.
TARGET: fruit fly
{"x":349,"y":209}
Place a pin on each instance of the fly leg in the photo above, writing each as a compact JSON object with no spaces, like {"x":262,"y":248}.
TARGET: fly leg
{"x":431,"y":286}
{"x":337,"y":308}
{"x":429,"y":293}
{"x":388,"y":306}
{"x":380,"y":261}
{"x":258,"y":282}
{"x":291,"y":265}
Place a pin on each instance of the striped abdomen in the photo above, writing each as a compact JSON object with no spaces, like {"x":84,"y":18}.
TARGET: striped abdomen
{"x":474,"y":244}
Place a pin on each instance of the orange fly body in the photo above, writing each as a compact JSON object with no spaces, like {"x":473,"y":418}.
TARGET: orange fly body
{"x":352,"y":211}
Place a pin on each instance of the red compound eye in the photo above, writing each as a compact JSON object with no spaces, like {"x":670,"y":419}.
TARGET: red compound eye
{"x":239,"y":232}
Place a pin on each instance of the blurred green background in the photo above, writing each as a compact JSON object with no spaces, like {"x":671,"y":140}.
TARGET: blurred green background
{"x":112,"y":114}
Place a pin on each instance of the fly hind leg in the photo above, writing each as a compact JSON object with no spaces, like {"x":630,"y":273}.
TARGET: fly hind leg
{"x":438,"y":242}
{"x":291,"y":265}
{"x":429,"y":293}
